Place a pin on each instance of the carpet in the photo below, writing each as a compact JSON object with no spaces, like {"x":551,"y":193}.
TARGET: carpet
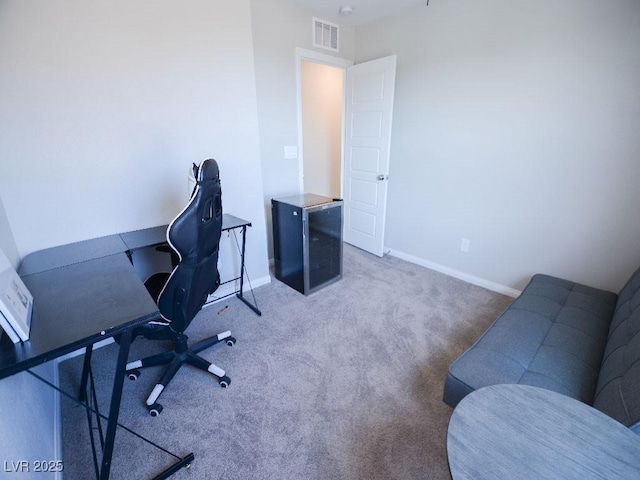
{"x":343,"y":384}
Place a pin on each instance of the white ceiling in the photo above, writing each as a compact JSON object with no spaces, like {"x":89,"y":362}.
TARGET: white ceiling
{"x":363,"y":10}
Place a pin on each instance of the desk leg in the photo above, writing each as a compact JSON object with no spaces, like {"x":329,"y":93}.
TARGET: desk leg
{"x":91,"y":409}
{"x":240,"y":293}
{"x":244,"y":244}
{"x":82,"y":395}
{"x":114,"y":408}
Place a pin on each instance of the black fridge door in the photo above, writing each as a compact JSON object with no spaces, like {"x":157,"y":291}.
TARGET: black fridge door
{"x":324,"y":247}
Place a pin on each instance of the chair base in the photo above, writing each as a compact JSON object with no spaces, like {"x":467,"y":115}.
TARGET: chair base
{"x":182,"y":354}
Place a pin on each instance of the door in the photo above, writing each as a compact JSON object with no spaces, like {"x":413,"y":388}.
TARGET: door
{"x":369,"y":107}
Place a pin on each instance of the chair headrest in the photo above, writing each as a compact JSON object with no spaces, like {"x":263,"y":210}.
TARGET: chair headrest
{"x":208,"y":171}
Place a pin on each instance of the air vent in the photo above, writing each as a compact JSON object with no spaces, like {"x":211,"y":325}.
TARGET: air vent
{"x":325,"y":34}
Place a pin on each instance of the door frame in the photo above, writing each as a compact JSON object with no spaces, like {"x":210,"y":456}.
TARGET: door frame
{"x":322,"y":58}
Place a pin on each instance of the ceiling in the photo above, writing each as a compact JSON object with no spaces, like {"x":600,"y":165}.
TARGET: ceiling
{"x":363,"y":10}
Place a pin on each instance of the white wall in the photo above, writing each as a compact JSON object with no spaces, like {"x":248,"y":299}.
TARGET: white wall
{"x":7,"y":242}
{"x":279,"y":26}
{"x":322,"y":104}
{"x":515,"y":126}
{"x":106,"y":104}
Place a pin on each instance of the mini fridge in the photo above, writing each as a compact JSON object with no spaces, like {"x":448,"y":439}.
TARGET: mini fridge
{"x":307,"y":241}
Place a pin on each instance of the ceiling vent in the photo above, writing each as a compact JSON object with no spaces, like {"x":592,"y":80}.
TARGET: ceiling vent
{"x":325,"y":34}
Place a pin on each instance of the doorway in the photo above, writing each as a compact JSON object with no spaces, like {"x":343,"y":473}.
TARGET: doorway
{"x":320,"y":78}
{"x":322,"y":100}
{"x":360,"y":171}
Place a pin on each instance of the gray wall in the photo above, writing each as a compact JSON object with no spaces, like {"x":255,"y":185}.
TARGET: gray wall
{"x":515,"y":126}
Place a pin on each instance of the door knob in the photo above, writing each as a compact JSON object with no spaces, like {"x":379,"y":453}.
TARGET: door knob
{"x":382,"y":177}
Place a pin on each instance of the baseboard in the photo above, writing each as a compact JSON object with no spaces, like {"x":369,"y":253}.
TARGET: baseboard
{"x":481,"y":282}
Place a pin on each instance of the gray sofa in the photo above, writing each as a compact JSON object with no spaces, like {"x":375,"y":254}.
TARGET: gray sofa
{"x":566,"y":337}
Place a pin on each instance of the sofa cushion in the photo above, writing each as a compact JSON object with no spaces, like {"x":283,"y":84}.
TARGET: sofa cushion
{"x":552,"y":336}
{"x":618,"y":390}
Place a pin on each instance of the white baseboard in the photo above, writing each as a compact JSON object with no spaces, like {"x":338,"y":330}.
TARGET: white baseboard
{"x":481,"y":282}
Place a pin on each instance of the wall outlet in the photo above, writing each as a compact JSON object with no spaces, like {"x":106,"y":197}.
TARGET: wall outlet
{"x":464,"y":245}
{"x":290,"y":153}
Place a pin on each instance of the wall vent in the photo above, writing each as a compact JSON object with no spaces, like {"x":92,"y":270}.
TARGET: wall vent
{"x":325,"y":34}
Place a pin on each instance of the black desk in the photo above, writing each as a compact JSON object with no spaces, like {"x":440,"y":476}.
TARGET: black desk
{"x":64,"y":255}
{"x":79,"y":301}
{"x":78,"y":305}
{"x":147,"y":237}
{"x":86,"y":292}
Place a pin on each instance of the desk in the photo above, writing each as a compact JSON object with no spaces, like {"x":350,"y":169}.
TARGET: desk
{"x":76,"y":305}
{"x":154,"y":236}
{"x":85,"y":292}
{"x":518,"y":431}
{"x":229,"y":222}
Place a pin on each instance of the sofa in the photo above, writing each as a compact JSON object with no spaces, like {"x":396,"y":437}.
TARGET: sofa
{"x":563,"y":336}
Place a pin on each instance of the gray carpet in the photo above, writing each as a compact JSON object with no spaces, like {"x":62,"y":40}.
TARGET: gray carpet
{"x":343,"y":384}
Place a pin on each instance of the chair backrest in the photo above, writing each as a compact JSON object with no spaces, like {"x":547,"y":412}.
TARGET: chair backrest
{"x":194,"y":235}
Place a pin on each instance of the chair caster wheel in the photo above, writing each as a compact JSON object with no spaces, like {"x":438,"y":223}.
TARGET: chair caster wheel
{"x":133,"y":374}
{"x":155,"y":409}
{"x":231,"y":341}
{"x":225,"y":381}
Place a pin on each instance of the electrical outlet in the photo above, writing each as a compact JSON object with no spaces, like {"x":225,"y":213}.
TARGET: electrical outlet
{"x":464,"y":245}
{"x":290,"y":152}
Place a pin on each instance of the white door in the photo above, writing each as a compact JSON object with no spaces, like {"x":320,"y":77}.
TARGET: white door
{"x":369,"y":108}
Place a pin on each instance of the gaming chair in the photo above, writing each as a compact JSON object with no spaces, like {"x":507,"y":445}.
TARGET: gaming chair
{"x":193,"y":237}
